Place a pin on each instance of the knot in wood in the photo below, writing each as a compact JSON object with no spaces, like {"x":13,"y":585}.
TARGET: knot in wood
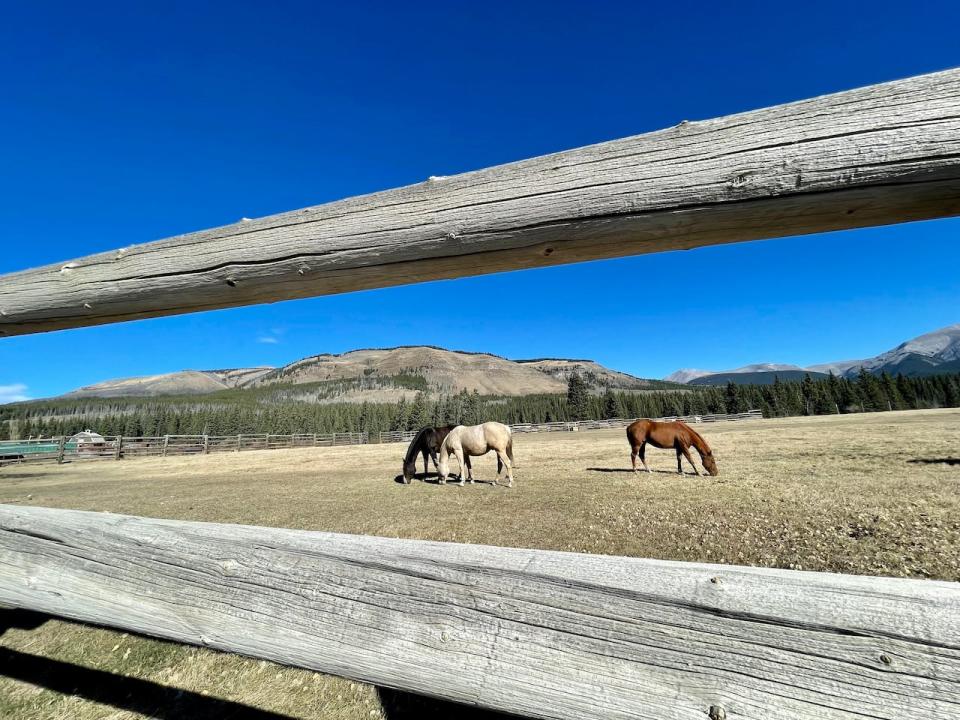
{"x":717,"y":712}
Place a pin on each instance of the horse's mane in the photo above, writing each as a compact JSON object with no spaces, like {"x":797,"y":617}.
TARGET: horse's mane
{"x":415,"y":444}
{"x":699,"y":442}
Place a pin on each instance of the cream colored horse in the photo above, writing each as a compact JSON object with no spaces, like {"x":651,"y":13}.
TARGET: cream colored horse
{"x":474,"y":440}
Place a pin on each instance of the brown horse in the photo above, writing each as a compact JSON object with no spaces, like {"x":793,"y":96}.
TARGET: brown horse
{"x":677,"y":435}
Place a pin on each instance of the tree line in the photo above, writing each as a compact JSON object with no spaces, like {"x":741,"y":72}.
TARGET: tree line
{"x":238,"y":412}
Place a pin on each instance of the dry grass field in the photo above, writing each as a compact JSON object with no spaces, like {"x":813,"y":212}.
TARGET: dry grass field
{"x":870,"y":494}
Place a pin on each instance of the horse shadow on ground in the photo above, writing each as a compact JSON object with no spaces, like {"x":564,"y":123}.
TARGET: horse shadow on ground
{"x":628,"y":471}
{"x":434,"y":479}
{"x":935,"y":461}
{"x":166,"y":703}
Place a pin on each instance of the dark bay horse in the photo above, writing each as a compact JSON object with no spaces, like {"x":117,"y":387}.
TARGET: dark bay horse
{"x":677,"y":435}
{"x":426,"y":442}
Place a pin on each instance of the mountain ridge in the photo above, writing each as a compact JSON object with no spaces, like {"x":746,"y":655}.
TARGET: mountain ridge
{"x":381,"y":375}
{"x":926,"y":354}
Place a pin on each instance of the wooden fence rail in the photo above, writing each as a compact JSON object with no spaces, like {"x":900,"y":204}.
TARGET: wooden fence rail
{"x":881,"y":154}
{"x":542,"y":634}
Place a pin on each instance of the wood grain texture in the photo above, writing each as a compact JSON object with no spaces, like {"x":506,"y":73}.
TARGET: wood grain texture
{"x":882,"y":154}
{"x":542,"y":634}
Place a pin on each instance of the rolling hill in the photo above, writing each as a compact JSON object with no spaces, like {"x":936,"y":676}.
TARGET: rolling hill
{"x":381,"y":375}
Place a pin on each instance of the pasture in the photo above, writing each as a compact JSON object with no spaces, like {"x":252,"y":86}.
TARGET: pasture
{"x":868,"y":494}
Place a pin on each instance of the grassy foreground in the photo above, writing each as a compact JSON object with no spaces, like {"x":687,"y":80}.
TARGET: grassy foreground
{"x":870,"y":494}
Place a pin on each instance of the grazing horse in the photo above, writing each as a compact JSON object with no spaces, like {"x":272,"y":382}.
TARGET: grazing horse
{"x":677,"y":435}
{"x":427,"y":442}
{"x":464,"y":441}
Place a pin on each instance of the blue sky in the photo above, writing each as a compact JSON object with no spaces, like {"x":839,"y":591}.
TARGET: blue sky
{"x":131,"y":122}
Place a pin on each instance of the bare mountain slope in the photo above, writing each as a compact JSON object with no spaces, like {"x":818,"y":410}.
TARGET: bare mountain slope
{"x":443,"y":371}
{"x":186,"y":382}
{"x":381,"y":375}
{"x":594,"y":373}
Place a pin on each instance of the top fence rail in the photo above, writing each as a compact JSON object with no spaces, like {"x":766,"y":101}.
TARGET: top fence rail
{"x":872,"y":156}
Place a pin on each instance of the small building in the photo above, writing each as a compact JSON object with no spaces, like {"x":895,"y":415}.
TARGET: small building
{"x":88,"y":441}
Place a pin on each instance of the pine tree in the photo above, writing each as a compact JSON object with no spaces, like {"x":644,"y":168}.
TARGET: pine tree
{"x":871,"y":392}
{"x":473,"y":409}
{"x":612,"y":406}
{"x":807,"y":391}
{"x":420,"y":412}
{"x":734,"y":400}
{"x":578,"y":398}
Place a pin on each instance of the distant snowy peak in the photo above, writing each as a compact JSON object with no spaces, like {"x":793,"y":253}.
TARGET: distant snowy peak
{"x":685,"y":375}
{"x":840,"y":367}
{"x":765,"y":367}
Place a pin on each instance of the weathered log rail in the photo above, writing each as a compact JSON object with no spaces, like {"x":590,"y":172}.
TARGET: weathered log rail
{"x":877,"y":155}
{"x":545,"y":634}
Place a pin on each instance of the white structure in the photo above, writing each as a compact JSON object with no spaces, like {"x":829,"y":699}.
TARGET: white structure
{"x":88,"y":441}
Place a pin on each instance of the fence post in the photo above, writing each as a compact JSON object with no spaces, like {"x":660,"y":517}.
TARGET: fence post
{"x":206,"y":444}
{"x":61,"y":447}
{"x":314,"y":439}
{"x":266,"y":444}
{"x":118,"y":447}
{"x":239,"y":441}
{"x":166,"y":441}
{"x":334,"y":439}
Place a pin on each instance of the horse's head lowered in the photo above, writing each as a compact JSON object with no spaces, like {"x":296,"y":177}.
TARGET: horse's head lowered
{"x":409,"y":469}
{"x":710,"y":464}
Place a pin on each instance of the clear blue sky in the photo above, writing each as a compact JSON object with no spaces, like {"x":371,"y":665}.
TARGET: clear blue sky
{"x":130,"y":122}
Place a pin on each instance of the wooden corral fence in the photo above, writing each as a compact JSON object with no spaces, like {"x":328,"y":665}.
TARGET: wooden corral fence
{"x":117,"y":447}
{"x":543,"y":634}
{"x":575,"y":425}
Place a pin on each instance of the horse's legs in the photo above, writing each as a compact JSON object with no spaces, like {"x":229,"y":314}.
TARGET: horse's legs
{"x":679,"y":468}
{"x":444,"y":468}
{"x":503,"y":460}
{"x":633,"y":458}
{"x":466,"y":459}
{"x":643,"y":457}
{"x":459,"y":452}
{"x":686,"y":453}
{"x":433,"y":455}
{"x":426,"y":461}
